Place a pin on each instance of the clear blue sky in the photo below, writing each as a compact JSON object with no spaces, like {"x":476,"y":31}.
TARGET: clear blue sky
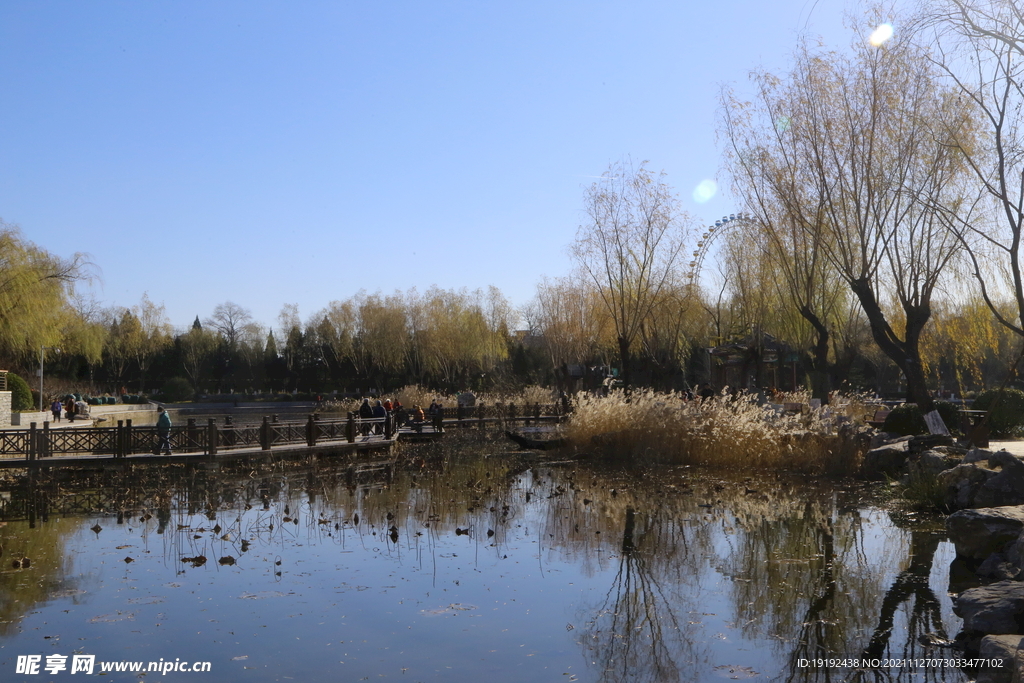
{"x":294,"y":152}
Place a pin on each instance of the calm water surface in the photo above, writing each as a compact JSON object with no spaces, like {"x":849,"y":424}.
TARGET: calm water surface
{"x":471,"y":566}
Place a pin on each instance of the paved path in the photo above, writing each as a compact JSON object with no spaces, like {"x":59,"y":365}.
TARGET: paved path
{"x":1015,"y":447}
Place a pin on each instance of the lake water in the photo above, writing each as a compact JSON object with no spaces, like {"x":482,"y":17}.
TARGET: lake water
{"x":475,"y":564}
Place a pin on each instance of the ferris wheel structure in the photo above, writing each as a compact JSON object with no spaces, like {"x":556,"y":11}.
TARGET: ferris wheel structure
{"x":709,"y":237}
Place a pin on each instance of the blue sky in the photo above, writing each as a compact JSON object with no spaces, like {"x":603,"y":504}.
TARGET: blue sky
{"x":295,"y":152}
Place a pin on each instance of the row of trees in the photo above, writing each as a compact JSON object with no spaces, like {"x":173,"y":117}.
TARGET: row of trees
{"x":874,"y":178}
{"x":458,"y":339}
{"x":892,"y":169}
{"x":441,"y":337}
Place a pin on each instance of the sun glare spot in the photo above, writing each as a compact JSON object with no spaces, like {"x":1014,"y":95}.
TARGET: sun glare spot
{"x":881,"y":34}
{"x":704,"y":191}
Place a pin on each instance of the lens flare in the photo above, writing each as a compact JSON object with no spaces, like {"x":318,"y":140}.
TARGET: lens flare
{"x":704,"y":191}
{"x":881,"y":34}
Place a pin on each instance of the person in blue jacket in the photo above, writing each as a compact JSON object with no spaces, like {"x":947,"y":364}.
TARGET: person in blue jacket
{"x":163,"y":432}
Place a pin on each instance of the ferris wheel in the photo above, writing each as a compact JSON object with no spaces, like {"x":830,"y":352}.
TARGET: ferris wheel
{"x":712,"y":233}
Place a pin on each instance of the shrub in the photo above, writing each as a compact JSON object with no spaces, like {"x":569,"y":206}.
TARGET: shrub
{"x":905,"y":419}
{"x":908,"y":418}
{"x":21,"y":395}
{"x":1006,"y":416}
{"x":177,"y":389}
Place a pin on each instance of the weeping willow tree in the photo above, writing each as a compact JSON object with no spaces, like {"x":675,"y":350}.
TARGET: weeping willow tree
{"x":35,"y":296}
{"x":863,"y":156}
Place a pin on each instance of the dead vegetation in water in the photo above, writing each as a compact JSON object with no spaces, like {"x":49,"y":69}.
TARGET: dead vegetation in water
{"x":724,"y":433}
{"x":414,"y":394}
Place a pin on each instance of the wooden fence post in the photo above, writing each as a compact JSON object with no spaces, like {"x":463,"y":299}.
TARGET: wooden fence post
{"x":119,"y":445}
{"x":310,"y":431}
{"x":350,"y":428}
{"x":230,"y":435}
{"x":211,"y":438}
{"x":44,"y":440}
{"x":31,"y":455}
{"x":389,"y":426}
{"x":128,"y":438}
{"x":480,"y":415}
{"x":265,"y":434}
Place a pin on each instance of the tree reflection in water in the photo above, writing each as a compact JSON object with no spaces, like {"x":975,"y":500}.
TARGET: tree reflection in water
{"x":808,"y":577}
{"x":637,"y":633}
{"x":925,"y":614}
{"x":792,"y":572}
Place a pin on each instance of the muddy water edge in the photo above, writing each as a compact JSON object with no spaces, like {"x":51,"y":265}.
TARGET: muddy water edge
{"x":469,"y":561}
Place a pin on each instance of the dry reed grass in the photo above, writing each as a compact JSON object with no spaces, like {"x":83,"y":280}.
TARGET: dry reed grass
{"x":414,"y":394}
{"x":721,"y":433}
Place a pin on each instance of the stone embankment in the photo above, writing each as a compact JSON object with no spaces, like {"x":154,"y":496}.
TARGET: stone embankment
{"x":986,"y":490}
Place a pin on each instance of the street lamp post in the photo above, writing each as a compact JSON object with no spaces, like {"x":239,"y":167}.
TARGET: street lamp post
{"x":43,"y":349}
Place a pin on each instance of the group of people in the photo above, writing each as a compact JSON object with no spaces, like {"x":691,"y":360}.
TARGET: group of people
{"x":68,"y":406}
{"x":70,"y":409}
{"x":382,"y":409}
{"x":372,"y":414}
{"x":418,"y":417}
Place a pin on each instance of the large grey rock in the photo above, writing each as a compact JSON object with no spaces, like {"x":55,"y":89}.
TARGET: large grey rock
{"x":1007,"y":487}
{"x":889,"y":460}
{"x":962,"y":483}
{"x":925,"y":467}
{"x":977,"y":455}
{"x":979,"y":533}
{"x":995,"y":609}
{"x":1003,"y":648}
{"x":997,"y":567}
{"x":879,"y":439}
{"x":923,"y":442}
{"x":1015,"y":551}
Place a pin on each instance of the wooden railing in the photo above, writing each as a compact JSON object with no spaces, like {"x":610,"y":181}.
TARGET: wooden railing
{"x":192,"y":437}
{"x":209,"y":438}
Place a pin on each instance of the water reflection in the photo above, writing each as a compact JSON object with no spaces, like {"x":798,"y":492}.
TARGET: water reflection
{"x":481,"y":566}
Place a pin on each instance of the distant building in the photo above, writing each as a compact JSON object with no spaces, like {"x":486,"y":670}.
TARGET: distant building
{"x":758,"y":361}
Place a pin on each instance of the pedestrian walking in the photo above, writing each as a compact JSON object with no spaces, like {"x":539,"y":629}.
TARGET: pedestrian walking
{"x":55,"y":408}
{"x":163,"y":432}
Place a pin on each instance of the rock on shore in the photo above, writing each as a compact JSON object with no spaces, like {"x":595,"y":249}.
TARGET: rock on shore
{"x":979,"y":533}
